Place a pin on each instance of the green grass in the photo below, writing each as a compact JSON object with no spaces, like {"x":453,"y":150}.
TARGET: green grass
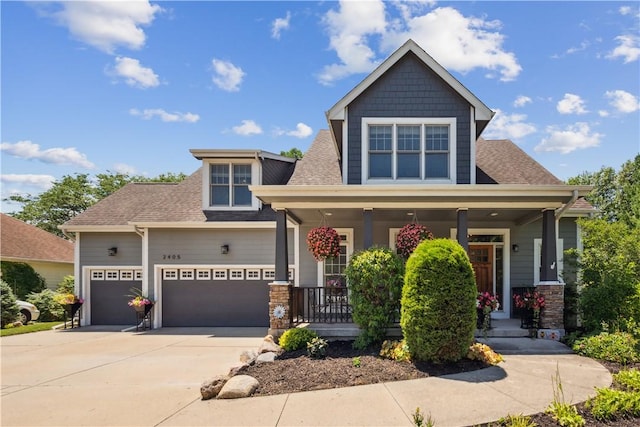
{"x":32,"y":327}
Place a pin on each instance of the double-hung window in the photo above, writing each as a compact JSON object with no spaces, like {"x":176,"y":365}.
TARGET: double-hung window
{"x":229,"y":185}
{"x":409,"y":150}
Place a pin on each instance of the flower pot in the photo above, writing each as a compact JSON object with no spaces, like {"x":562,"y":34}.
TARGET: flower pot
{"x":481,"y":319}
{"x":529,"y":320}
{"x":144,"y":309}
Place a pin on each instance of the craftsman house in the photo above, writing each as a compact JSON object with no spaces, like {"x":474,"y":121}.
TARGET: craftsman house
{"x":403,"y":146}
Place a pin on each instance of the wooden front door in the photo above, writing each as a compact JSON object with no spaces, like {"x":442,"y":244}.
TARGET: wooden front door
{"x":481,"y":257}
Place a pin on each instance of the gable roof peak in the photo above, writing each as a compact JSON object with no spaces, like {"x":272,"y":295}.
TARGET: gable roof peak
{"x":483,"y":113}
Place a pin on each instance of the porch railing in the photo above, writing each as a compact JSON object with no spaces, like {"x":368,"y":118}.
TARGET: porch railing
{"x":320,"y":305}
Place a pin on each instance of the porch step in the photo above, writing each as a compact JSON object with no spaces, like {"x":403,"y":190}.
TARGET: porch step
{"x":504,"y":328}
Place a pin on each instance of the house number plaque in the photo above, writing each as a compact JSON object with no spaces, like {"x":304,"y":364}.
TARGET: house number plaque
{"x":171,"y":256}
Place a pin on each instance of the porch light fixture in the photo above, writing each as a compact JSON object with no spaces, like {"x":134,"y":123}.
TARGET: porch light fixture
{"x":224,"y":249}
{"x":112,"y":251}
{"x":515,"y":247}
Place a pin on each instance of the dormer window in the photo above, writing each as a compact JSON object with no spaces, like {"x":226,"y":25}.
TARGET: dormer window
{"x":228,"y":184}
{"x":409,"y":150}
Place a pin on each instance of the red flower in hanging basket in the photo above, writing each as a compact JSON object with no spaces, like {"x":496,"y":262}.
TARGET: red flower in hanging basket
{"x":323,"y":243}
{"x":410,"y":236}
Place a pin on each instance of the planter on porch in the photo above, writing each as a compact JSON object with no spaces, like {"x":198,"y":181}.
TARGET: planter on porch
{"x":482,"y":318}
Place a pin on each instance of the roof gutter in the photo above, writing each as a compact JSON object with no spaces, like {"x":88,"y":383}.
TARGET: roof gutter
{"x":563,"y":209}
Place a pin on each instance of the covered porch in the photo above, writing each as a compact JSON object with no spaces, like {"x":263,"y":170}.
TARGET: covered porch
{"x":490,"y":222}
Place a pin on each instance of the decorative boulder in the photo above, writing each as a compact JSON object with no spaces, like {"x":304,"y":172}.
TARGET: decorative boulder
{"x":267,"y":357}
{"x":210,"y":388}
{"x":268,"y":345}
{"x":248,"y":357}
{"x":238,"y":386}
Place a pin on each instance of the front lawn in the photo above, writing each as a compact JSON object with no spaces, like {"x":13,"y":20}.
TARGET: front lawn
{"x":32,"y":327}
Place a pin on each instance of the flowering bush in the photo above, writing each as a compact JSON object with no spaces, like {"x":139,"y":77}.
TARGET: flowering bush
{"x":487,"y":302}
{"x":410,"y":236}
{"x":529,"y":300}
{"x":67,"y":299}
{"x":323,"y":242}
{"x":138,"y":299}
{"x":484,"y":353}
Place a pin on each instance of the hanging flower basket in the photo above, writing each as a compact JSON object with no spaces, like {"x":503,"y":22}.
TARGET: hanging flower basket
{"x":323,"y":242}
{"x":410,"y":236}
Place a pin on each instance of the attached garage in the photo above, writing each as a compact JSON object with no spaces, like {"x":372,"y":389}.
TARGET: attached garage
{"x":109,"y":297}
{"x":214,"y":302}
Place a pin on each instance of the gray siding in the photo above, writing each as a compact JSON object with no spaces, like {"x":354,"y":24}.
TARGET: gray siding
{"x":94,"y":249}
{"x":275,"y":172}
{"x":409,"y":89}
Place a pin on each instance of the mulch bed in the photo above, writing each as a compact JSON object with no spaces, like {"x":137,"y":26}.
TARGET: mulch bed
{"x":295,"y":372}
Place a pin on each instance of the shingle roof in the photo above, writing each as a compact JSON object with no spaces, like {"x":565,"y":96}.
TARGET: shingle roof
{"x":505,"y":163}
{"x":20,"y":240}
{"x":320,"y":165}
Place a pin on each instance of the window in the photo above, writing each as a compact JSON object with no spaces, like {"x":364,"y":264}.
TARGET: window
{"x":112,"y":275}
{"x":268,"y":274}
{"x":186,"y":274}
{"x":219,"y":274}
{"x":97,"y":275}
{"x":237,"y":274}
{"x":138,"y":274}
{"x":203,"y":274}
{"x":229,"y":185}
{"x":126,"y":275}
{"x":253,"y":274}
{"x":170,"y":274}
{"x":409,"y":149}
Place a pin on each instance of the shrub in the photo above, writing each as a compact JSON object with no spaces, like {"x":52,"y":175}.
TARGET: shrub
{"x":484,"y":353}
{"x":67,"y":285}
{"x":375,"y":280}
{"x":438,"y":315}
{"x":611,"y":404}
{"x":22,"y":278}
{"x":620,"y":347}
{"x":628,"y":379}
{"x":516,"y":421}
{"x":50,"y":309}
{"x":296,"y":338}
{"x":317,"y":348}
{"x":8,"y":305}
{"x":395,"y":350}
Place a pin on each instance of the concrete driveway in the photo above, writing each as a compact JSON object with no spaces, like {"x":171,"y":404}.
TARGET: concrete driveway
{"x":101,"y":376}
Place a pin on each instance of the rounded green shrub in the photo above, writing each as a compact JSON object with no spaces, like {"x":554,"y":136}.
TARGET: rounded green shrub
{"x":10,"y":310}
{"x":438,"y":313}
{"x":375,"y":279}
{"x":620,"y":347}
{"x":50,"y":309}
{"x":296,"y":338}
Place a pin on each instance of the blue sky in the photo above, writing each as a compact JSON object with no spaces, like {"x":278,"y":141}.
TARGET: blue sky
{"x":90,"y":87}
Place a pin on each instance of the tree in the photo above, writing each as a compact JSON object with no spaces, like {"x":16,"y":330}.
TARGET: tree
{"x":22,"y":278}
{"x":294,"y":153}
{"x":10,"y":310}
{"x":73,"y":195}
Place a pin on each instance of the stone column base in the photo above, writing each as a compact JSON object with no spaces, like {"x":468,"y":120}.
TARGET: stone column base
{"x":279,"y":308}
{"x":552,"y":316}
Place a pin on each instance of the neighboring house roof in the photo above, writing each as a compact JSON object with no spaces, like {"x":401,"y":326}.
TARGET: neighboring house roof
{"x":320,"y":165}
{"x":24,"y":242}
{"x":503,"y":162}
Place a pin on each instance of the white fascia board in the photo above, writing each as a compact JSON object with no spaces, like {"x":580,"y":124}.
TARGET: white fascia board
{"x":211,"y":153}
{"x":338,"y":110}
{"x":99,"y":228}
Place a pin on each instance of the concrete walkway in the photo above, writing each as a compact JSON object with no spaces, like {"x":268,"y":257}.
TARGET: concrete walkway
{"x":100,"y":377}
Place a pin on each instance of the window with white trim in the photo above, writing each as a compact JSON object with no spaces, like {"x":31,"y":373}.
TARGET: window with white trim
{"x":408,"y":150}
{"x":112,"y":275}
{"x":126,"y":274}
{"x":170,"y":274}
{"x":186,"y":274}
{"x":219,"y":274}
{"x":138,"y":274}
{"x":268,"y":274}
{"x":203,"y":274}
{"x":97,"y":274}
{"x":236,"y":274}
{"x":253,"y":274}
{"x":228,"y":185}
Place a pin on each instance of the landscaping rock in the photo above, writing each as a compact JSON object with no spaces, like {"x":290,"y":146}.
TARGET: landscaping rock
{"x":234,"y":370}
{"x":210,"y":388}
{"x":266,"y":357}
{"x":248,"y":357}
{"x":238,"y":386}
{"x":269,"y":345}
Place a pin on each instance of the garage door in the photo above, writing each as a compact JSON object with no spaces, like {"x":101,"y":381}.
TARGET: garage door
{"x":215,"y":303}
{"x":109,"y":302}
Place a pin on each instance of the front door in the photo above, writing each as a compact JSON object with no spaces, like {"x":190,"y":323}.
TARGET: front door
{"x":481,"y":257}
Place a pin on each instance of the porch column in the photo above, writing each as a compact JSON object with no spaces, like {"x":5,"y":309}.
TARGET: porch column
{"x":280,"y":289}
{"x":552,"y":316}
{"x":549,"y":258}
{"x":367,"y":216}
{"x":463,"y":229}
{"x":282,"y":251}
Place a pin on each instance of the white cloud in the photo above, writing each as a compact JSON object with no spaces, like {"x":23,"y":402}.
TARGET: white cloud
{"x":348,"y":30}
{"x":571,"y":104}
{"x":628,"y":48}
{"x":521,"y":101}
{"x":106,"y":24}
{"x":247,"y":128}
{"x":603,"y":113}
{"x":134,"y":73}
{"x":301,"y":131}
{"x":43,"y":182}
{"x":280,"y":24}
{"x":61,"y":156}
{"x":623,"y":101}
{"x":457,"y":42}
{"x":511,"y":126}
{"x":165,"y":116}
{"x":124,"y":169}
{"x":226,"y":75}
{"x":573,"y":137}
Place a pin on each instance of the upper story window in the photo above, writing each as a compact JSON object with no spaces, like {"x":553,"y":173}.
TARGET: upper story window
{"x":408,"y":150}
{"x":228,"y":185}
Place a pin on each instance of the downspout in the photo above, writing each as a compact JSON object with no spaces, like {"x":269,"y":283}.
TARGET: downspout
{"x":560,"y":211}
